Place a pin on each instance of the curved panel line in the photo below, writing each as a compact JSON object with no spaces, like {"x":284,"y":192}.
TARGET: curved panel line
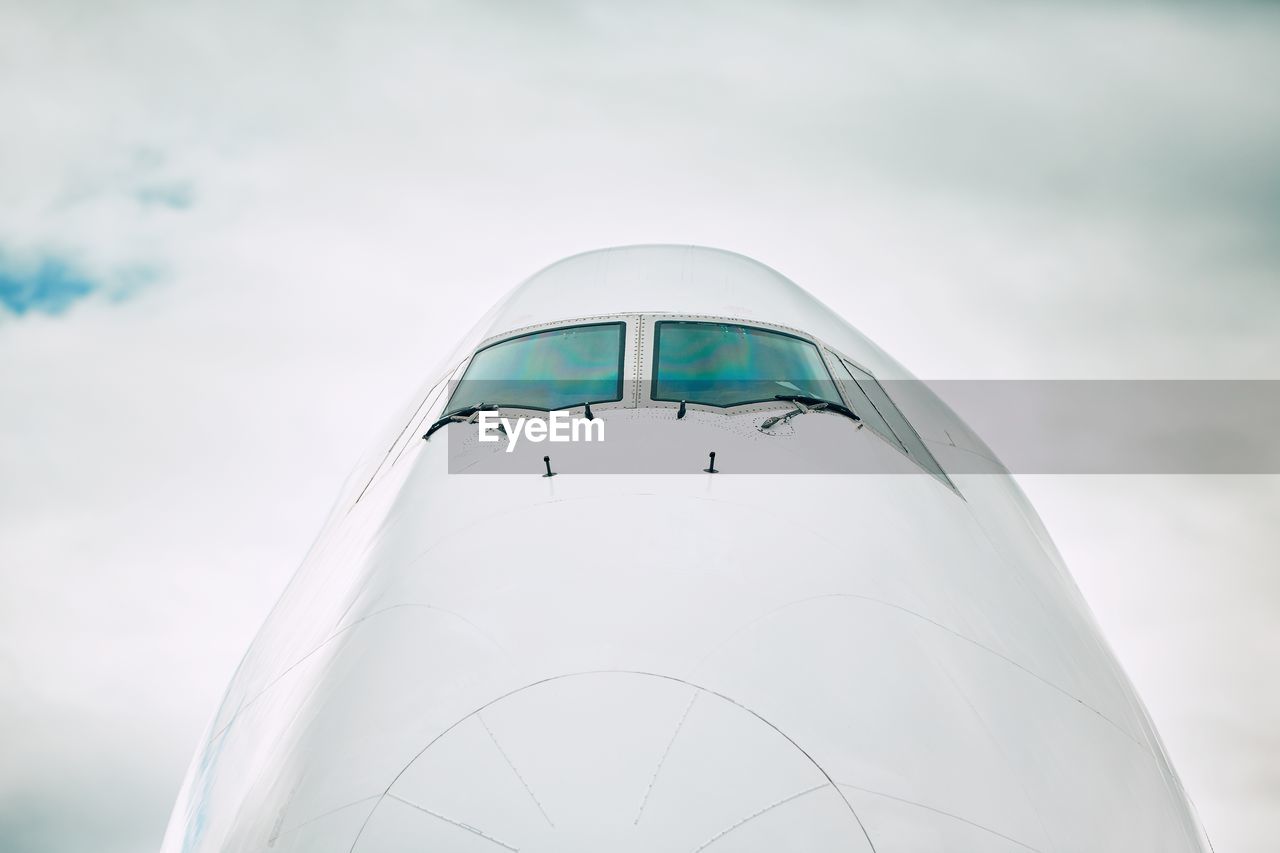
{"x":663,"y":760}
{"x":291,"y":667}
{"x":512,"y":765}
{"x":468,"y":827}
{"x":387,"y":792}
{"x":939,"y":811}
{"x":996,"y":745}
{"x":935,"y":624}
{"x":324,"y":815}
{"x":722,"y":833}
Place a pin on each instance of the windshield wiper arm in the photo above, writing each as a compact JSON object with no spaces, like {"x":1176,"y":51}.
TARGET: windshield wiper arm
{"x":460,"y":416}
{"x":805,"y":404}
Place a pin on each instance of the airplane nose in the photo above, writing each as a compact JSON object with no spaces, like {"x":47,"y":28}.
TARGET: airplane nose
{"x":619,"y":762}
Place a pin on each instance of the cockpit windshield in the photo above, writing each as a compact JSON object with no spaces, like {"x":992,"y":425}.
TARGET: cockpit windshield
{"x":547,"y":370}
{"x":723,"y":364}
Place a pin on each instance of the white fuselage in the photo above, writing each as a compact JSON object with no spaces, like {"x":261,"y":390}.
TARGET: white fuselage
{"x":642,"y":656}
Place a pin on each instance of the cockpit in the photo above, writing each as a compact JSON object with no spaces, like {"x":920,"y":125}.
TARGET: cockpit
{"x":647,"y":337}
{"x":677,"y":361}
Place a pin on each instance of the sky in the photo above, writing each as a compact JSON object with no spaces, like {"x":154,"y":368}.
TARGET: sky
{"x":235,"y":237}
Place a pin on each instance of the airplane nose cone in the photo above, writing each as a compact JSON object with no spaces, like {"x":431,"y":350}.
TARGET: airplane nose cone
{"x":617,"y":762}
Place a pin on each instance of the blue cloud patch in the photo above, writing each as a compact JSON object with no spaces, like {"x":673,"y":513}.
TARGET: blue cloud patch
{"x":176,"y":196}
{"x":50,"y":286}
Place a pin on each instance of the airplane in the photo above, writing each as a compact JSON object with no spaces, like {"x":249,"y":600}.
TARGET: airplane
{"x":774,"y":598}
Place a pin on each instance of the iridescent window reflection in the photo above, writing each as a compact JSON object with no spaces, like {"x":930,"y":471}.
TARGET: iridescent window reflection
{"x":723,"y":364}
{"x":547,"y":370}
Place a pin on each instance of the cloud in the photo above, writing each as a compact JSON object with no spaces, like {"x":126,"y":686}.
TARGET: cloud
{"x":330,"y":192}
{"x":48,"y":283}
{"x":178,"y":196}
{"x":49,"y":286}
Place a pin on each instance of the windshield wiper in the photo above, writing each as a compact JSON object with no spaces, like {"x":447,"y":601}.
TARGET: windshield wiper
{"x":805,"y":404}
{"x":466,"y":415}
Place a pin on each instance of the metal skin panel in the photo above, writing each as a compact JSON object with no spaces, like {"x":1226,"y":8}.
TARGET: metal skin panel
{"x":728,"y":662}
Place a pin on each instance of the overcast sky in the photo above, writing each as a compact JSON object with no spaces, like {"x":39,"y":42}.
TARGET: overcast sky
{"x":234,"y":237}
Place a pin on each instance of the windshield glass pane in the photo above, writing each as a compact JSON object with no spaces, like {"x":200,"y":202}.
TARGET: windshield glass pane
{"x":852,"y":380}
{"x":721,"y":364}
{"x":868,"y":399}
{"x":547,"y":370}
